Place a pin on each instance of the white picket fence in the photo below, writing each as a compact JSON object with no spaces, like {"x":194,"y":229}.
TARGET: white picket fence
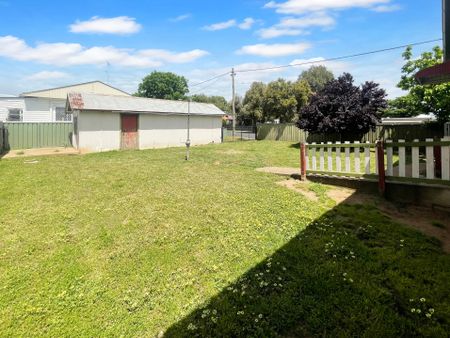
{"x":341,"y":158}
{"x":411,"y":161}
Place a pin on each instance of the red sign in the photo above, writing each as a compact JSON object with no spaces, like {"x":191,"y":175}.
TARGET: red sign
{"x":76,"y":101}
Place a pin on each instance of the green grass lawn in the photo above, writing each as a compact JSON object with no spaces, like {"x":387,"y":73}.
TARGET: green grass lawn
{"x":135,"y":243}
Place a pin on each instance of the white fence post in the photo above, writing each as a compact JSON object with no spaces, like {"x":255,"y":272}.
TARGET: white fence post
{"x":357,"y":157}
{"x":415,"y":161}
{"x":430,"y":160}
{"x":322,"y":158}
{"x":347,"y":158}
{"x":402,"y":160}
{"x":306,"y":156}
{"x":376,"y":160}
{"x":338,"y":157}
{"x":367,"y":159}
{"x":445,"y":160}
{"x":390,"y":159}
{"x":314,"y":159}
{"x":330,"y":156}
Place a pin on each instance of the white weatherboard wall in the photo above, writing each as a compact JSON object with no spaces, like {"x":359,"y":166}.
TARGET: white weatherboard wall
{"x":33,"y":109}
{"x":7,"y":103}
{"x":98,"y":131}
{"x":41,"y":109}
{"x":160,"y":131}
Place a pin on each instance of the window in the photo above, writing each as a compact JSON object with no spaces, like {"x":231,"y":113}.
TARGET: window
{"x":15,"y":115}
{"x":61,"y":115}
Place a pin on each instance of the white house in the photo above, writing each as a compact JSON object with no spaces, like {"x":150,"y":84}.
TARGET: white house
{"x":48,"y":105}
{"x":105,"y":122}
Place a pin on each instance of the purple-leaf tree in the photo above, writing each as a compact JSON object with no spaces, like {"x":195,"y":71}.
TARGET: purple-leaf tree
{"x":343,"y":108}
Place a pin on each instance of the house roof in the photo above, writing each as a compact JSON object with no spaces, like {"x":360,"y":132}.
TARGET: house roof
{"x":131,"y":104}
{"x":96,"y":87}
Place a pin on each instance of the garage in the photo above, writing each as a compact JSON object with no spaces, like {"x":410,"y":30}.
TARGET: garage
{"x":106,"y":122}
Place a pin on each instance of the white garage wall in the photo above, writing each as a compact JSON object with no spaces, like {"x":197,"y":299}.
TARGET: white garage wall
{"x":99,"y":131}
{"x":159,"y":131}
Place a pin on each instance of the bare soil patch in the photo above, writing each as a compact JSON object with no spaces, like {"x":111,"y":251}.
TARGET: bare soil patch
{"x":430,"y":222}
{"x":297,"y":187}
{"x":279,"y":171}
{"x":41,"y":152}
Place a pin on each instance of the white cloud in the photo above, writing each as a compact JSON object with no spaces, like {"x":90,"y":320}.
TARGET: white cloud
{"x":293,"y":26}
{"x":47,"y":75}
{"x":337,"y":67}
{"x":244,"y":25}
{"x":181,"y":17}
{"x":247,"y":23}
{"x":304,"y":6}
{"x":221,"y":25}
{"x":185,"y":57}
{"x":275,"y":32}
{"x":70,"y":54}
{"x":386,"y":8}
{"x":313,"y":20}
{"x":121,"y":25}
{"x":274,"y":50}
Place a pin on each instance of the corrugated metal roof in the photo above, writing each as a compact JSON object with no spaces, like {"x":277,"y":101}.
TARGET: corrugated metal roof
{"x":96,"y":102}
{"x":96,"y":87}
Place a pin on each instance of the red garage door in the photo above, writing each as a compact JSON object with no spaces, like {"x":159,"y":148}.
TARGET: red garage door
{"x":129,"y":131}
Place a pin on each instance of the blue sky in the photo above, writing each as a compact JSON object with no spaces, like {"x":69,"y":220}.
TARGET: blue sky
{"x":45,"y":44}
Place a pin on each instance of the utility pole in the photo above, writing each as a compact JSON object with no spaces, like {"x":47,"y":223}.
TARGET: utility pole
{"x":233,"y":100}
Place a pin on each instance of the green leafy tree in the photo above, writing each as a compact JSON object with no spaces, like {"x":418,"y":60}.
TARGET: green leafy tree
{"x":317,"y":77}
{"x":253,"y":103}
{"x":219,"y":101}
{"x":162,"y":85}
{"x":283,"y":99}
{"x":421,"y":99}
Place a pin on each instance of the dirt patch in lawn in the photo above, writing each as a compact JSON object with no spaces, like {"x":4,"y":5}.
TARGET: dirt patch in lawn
{"x":297,"y":186}
{"x":279,"y":171}
{"x":432,"y":223}
{"x":40,"y":152}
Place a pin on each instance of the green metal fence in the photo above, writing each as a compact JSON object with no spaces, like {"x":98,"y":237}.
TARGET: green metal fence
{"x":23,"y":135}
{"x":289,"y":132}
{"x":1,"y":137}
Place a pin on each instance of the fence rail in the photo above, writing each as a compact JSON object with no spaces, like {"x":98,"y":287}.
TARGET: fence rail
{"x":415,"y":162}
{"x":24,"y":135}
{"x":289,"y":132}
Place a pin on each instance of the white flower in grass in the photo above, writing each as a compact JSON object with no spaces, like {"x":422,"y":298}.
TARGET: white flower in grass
{"x":413,"y":310}
{"x":191,"y":327}
{"x":428,"y":315}
{"x":418,"y":311}
{"x":431,"y":310}
{"x":423,"y":300}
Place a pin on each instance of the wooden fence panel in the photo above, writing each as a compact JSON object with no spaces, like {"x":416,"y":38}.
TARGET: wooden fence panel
{"x":1,"y":137}
{"x":289,"y":132}
{"x":23,"y":135}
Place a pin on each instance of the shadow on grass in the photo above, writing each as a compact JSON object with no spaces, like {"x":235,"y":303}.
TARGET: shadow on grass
{"x":352,"y":272}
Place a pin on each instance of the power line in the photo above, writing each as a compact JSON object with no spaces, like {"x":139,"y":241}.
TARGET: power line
{"x":338,"y":57}
{"x":310,"y":62}
{"x":213,"y":78}
{"x":205,"y":87}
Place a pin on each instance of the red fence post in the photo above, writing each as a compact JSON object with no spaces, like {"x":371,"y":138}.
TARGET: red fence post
{"x":381,"y":168}
{"x":302,"y":161}
{"x":437,"y":161}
